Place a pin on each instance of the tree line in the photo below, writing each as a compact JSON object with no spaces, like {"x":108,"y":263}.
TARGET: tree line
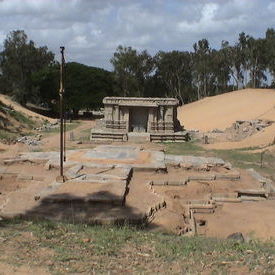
{"x":202,"y":72}
{"x":30,"y":73}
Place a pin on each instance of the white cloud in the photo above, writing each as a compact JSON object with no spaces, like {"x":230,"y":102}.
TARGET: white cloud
{"x":92,"y":29}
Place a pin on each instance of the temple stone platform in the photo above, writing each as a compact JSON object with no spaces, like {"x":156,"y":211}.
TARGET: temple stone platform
{"x":105,"y":156}
{"x":125,"y":184}
{"x":95,"y":190}
{"x":139,"y":120}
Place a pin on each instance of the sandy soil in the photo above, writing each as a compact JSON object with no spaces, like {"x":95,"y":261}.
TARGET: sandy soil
{"x":254,"y":219}
{"x":222,"y":110}
{"x":51,"y":142}
{"x":8,"y":269}
{"x":6,"y":100}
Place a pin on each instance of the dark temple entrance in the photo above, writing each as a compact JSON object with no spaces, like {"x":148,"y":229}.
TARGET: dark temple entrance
{"x":138,"y":119}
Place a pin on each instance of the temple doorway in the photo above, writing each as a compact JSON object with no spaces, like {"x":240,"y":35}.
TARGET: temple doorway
{"x":138,"y":119}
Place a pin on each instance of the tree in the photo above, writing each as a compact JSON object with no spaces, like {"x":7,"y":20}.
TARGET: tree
{"x":257,"y":61}
{"x":85,"y":86}
{"x":270,"y":50}
{"x":174,"y":70}
{"x":19,"y":60}
{"x":220,"y":71}
{"x":233,"y":57}
{"x":201,"y":67}
{"x":131,"y":70}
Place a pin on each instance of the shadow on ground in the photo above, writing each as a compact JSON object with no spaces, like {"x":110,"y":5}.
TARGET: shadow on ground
{"x":107,"y":210}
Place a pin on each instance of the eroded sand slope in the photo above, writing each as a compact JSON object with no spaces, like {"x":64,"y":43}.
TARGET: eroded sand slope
{"x":223,"y":110}
{"x":17,"y":107}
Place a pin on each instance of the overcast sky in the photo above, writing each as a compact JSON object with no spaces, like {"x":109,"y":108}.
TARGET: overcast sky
{"x":91,"y":30}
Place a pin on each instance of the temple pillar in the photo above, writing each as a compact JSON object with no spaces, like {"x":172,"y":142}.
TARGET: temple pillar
{"x":108,"y":113}
{"x":150,"y":119}
{"x":116,"y":113}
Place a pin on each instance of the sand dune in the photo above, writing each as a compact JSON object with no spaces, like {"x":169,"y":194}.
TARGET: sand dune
{"x":17,"y":107}
{"x":222,"y":110}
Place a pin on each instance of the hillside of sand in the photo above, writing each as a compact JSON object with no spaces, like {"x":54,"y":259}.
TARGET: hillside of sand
{"x":16,"y":120}
{"x":17,"y":107}
{"x":219,"y":112}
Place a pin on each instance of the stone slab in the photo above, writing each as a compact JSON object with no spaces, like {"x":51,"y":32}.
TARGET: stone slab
{"x":232,"y":177}
{"x":73,"y":171}
{"x":3,"y":169}
{"x":201,"y":177}
{"x":138,"y":137}
{"x":170,"y":183}
{"x":192,"y":160}
{"x":24,"y":177}
{"x":231,"y":195}
{"x":250,"y":198}
{"x":251,"y":191}
{"x":112,"y":155}
{"x":229,"y":200}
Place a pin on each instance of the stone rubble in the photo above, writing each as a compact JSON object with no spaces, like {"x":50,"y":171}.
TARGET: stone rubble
{"x":244,"y":128}
{"x":30,"y":140}
{"x":48,"y":126}
{"x":238,"y":131}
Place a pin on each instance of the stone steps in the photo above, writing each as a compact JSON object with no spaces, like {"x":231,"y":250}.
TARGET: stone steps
{"x":252,"y":198}
{"x":262,"y":193}
{"x":105,"y":136}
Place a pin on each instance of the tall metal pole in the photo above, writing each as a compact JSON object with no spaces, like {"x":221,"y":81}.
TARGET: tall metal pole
{"x":61,"y":93}
{"x":65,"y":120}
{"x":64,"y":113}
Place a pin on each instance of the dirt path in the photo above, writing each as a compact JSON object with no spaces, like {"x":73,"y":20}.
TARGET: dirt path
{"x":49,"y":143}
{"x":52,"y":142}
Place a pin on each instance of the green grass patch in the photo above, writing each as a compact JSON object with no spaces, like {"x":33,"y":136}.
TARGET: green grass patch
{"x":22,"y":118}
{"x":76,"y":248}
{"x":185,"y":148}
{"x":241,"y":158}
{"x":7,"y":135}
{"x":69,"y":127}
{"x":85,"y":135}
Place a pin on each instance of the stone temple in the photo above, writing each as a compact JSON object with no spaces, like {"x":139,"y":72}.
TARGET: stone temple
{"x":139,"y":119}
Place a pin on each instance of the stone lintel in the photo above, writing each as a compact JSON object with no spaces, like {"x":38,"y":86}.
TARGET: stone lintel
{"x":141,"y":101}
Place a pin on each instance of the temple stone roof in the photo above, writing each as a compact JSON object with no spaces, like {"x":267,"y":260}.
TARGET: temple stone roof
{"x":141,"y":101}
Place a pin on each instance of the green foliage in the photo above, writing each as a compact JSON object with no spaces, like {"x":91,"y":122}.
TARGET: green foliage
{"x":174,"y":70}
{"x":29,"y":73}
{"x":193,"y":75}
{"x":85,"y":86}
{"x":131,"y":70}
{"x":19,"y":59}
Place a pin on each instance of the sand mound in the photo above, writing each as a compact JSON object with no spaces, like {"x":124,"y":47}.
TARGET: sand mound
{"x":17,"y":107}
{"x":222,"y":110}
{"x":219,"y":112}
